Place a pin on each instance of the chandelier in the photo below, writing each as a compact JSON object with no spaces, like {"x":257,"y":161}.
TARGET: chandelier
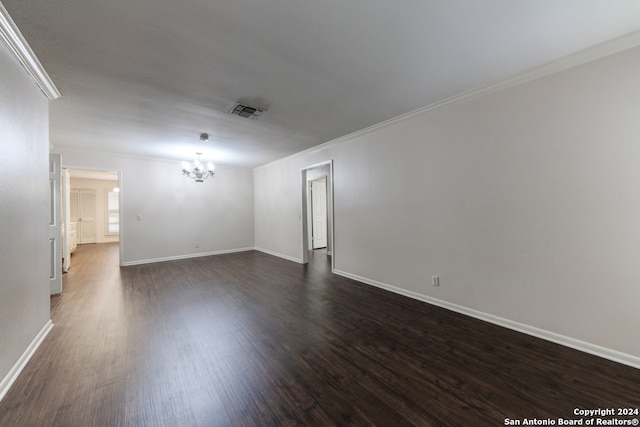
{"x":196,"y":171}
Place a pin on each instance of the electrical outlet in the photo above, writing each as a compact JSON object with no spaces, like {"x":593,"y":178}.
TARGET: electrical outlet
{"x":435,"y":280}
{"x":197,"y":244}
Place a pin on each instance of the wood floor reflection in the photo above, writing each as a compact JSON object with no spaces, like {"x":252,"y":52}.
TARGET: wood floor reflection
{"x":248,"y":339}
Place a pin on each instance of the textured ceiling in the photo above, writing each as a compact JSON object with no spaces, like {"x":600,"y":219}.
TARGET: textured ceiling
{"x":146,"y":77}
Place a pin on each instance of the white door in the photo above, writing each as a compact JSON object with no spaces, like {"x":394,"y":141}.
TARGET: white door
{"x":66,"y":219}
{"x":319,"y":213}
{"x":83,"y":210}
{"x":55,"y":226}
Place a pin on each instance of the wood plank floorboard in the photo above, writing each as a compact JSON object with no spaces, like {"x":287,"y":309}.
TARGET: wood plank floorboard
{"x":248,"y":339}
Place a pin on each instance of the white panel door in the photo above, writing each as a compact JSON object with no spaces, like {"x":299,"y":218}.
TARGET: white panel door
{"x":55,"y":226}
{"x":87,"y":220}
{"x":319,"y":213}
{"x":82,"y":208}
{"x":74,"y":207}
{"x":66,"y":219}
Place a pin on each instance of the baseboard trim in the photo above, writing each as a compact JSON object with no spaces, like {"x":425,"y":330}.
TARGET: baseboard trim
{"x":12,"y":376}
{"x":279,"y":255}
{"x":586,"y":347}
{"x":178,"y":257}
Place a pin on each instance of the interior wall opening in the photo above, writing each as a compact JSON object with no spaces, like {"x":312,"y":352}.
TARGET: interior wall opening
{"x":317,"y":210}
{"x":91,"y":210}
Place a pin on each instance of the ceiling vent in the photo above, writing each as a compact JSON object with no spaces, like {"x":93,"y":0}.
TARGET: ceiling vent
{"x":246,"y":111}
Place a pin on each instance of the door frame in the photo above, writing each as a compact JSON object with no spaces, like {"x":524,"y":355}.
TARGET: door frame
{"x":121,"y":237}
{"x":305,"y":211}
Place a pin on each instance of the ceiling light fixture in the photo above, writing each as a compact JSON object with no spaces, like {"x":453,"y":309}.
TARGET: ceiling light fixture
{"x":196,"y":171}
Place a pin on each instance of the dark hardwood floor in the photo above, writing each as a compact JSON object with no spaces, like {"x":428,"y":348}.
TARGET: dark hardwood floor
{"x":248,"y":339}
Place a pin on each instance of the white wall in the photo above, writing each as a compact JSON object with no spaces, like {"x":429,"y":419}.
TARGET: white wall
{"x":101,"y":188}
{"x":175,"y":212}
{"x":525,"y":201}
{"x":24,"y":262}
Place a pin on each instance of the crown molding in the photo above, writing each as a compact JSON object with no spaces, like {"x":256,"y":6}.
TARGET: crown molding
{"x":17,"y":44}
{"x":602,"y":50}
{"x":74,"y":151}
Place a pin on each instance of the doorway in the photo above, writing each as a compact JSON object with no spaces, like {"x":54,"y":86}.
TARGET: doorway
{"x":91,"y":209}
{"x":317,"y":210}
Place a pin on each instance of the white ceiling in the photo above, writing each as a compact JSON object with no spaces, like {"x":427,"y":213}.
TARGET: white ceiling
{"x":146,"y":77}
